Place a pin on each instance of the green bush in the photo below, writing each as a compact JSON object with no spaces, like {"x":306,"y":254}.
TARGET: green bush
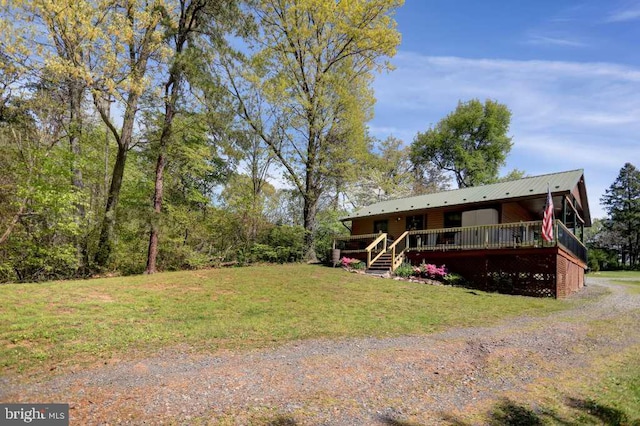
{"x":329,"y":226}
{"x":281,"y":244}
{"x":405,"y":270}
{"x":454,"y":279}
{"x":358,"y":265}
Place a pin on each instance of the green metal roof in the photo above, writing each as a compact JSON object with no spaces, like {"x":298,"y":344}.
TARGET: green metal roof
{"x":562,"y":182}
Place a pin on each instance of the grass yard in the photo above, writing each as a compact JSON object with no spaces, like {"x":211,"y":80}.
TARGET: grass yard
{"x":59,"y":324}
{"x":628,"y":278}
{"x":608,"y":394}
{"x":615,"y":274}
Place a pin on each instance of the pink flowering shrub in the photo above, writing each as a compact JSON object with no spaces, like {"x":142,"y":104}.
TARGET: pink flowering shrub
{"x":348,"y":262}
{"x":428,"y":270}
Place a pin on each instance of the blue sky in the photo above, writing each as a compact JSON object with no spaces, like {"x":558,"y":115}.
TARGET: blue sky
{"x":569,"y":71}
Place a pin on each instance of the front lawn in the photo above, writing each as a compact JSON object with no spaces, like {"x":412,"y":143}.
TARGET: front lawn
{"x":630,"y":279}
{"x":615,"y":274}
{"x":59,"y":324}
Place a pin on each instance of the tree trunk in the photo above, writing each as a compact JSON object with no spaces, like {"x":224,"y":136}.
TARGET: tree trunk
{"x":165,"y":137}
{"x":152,"y":253}
{"x":76,"y":92}
{"x":189,"y":19}
{"x":309,"y":212}
{"x":13,"y":222}
{"x":172,"y":90}
{"x":105,"y":244}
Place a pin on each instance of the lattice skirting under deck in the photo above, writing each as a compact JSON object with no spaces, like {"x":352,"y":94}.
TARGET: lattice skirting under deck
{"x":541,"y":272}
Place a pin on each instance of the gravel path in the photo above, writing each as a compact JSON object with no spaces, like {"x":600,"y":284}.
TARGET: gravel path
{"x":364,"y":381}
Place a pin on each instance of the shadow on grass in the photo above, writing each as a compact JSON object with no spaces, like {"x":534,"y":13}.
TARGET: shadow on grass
{"x":390,"y":421}
{"x":505,"y":413}
{"x":510,"y":413}
{"x":282,"y":421}
{"x":607,"y":415}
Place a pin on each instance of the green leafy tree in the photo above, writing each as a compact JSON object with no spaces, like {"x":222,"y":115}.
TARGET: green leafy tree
{"x":602,"y":245}
{"x":306,"y":91}
{"x":37,"y":206}
{"x":388,"y":173}
{"x":104,"y":48}
{"x":247,"y":202}
{"x":514,"y":174}
{"x":622,"y":204}
{"x":471,"y":142}
{"x":186,"y":23}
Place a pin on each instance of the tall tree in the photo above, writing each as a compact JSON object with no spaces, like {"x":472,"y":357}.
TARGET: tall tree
{"x":188,"y":20}
{"x":65,"y":28}
{"x":38,"y":203}
{"x":313,"y":69}
{"x":141,"y":38}
{"x":104,"y":47}
{"x":388,"y":173}
{"x":622,"y":204}
{"x":471,"y":142}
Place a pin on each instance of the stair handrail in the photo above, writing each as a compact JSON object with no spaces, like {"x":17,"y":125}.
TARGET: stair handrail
{"x":382,"y":237}
{"x":392,"y":247}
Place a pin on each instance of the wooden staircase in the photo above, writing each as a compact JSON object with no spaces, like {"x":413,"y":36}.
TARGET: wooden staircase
{"x":381,"y":265}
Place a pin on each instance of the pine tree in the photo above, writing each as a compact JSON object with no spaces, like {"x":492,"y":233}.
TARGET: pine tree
{"x":622,"y":203}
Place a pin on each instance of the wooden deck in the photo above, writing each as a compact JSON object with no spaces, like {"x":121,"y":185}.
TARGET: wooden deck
{"x":510,"y":258}
{"x":521,"y":235}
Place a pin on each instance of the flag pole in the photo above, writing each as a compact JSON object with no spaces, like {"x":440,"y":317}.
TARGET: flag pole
{"x":549,"y":230}
{"x":553,"y":214}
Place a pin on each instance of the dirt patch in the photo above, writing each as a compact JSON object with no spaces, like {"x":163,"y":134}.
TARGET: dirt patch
{"x":100,"y":297}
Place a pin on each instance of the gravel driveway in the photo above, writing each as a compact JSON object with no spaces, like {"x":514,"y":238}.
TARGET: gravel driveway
{"x":422,"y":379}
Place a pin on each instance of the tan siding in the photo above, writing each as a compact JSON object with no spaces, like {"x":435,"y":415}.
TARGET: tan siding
{"x":397,"y":227}
{"x":514,"y":212}
{"x":435,"y":219}
{"x":511,"y":212}
{"x":365,"y":225}
{"x":362,"y":226}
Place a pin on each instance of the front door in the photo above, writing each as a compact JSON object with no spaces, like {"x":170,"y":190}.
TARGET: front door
{"x":415,"y":223}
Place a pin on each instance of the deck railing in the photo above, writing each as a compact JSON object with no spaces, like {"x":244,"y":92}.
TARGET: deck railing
{"x":500,"y":236}
{"x":506,"y":235}
{"x":353,"y":244}
{"x":570,"y":242}
{"x":397,"y":248}
{"x":380,"y":247}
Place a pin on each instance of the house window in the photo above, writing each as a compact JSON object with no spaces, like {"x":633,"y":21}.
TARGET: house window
{"x":380,"y":226}
{"x":452,"y":220}
{"x":415,"y":222}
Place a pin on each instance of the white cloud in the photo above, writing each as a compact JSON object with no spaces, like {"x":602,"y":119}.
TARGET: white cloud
{"x":566,"y":115}
{"x":554,"y":41}
{"x":629,"y":14}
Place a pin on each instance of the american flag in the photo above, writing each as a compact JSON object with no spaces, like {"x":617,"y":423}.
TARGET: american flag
{"x":547,"y":220}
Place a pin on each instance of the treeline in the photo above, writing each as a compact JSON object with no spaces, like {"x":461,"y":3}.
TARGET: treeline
{"x":138,"y":136}
{"x":170,"y":134}
{"x":614,"y":241}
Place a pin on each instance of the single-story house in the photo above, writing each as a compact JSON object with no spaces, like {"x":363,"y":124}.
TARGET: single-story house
{"x":490,"y":234}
